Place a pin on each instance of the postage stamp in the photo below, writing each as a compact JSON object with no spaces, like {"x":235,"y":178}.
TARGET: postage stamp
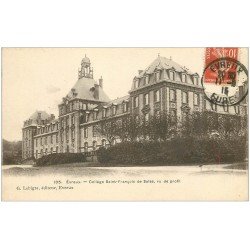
{"x":225,"y":78}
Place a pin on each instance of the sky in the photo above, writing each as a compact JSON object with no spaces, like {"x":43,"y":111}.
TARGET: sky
{"x":38,"y":78}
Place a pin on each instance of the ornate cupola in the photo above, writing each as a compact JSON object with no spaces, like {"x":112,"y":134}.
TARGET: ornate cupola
{"x":85,"y":70}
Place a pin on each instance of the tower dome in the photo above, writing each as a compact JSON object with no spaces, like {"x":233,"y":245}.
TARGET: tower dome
{"x":85,"y":61}
{"x":85,"y":70}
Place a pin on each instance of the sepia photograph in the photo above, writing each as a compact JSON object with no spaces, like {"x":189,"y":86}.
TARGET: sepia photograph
{"x":125,"y":124}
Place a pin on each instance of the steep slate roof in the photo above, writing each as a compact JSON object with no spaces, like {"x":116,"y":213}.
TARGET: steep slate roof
{"x":164,"y":63}
{"x":44,"y":115}
{"x":84,"y":88}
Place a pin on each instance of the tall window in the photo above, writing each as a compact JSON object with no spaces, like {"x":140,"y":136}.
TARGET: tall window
{"x":56,"y":138}
{"x":171,"y":75}
{"x":146,"y":100}
{"x":51,"y":150}
{"x":72,"y":120}
{"x":51,"y":139}
{"x":94,"y":131}
{"x":85,"y":147}
{"x":72,"y":134}
{"x":146,"y":117}
{"x":196,"y":99}
{"x":147,"y":79}
{"x":184,"y":97}
{"x":45,"y":139}
{"x":136,"y":101}
{"x":172,"y":95}
{"x":41,"y":141}
{"x":57,"y":149}
{"x":94,"y":145}
{"x":67,"y":135}
{"x":85,"y":132}
{"x":157,"y":96}
{"x":67,"y":121}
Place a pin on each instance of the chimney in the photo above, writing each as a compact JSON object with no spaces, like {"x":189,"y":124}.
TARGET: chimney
{"x":96,"y":91}
{"x":140,"y":71}
{"x":39,"y":117}
{"x":101,"y":82}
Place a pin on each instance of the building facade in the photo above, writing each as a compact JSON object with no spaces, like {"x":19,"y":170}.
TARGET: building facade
{"x":163,"y":86}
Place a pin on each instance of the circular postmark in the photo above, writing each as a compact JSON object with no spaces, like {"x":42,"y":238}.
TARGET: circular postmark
{"x":225,"y":81}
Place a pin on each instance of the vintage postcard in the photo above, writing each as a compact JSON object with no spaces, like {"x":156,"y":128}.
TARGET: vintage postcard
{"x":125,"y":124}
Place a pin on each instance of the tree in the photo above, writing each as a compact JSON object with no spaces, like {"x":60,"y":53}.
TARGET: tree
{"x":108,"y":128}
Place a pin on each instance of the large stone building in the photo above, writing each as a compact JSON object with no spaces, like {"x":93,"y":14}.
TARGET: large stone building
{"x":163,"y":86}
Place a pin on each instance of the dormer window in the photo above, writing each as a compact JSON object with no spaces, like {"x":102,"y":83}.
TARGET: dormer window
{"x":95,"y":115}
{"x":125,"y":107}
{"x":171,"y":75}
{"x":184,"y":77}
{"x":61,"y":110}
{"x":147,"y":79}
{"x":136,"y":83}
{"x":158,"y":75}
{"x":104,"y":112}
{"x":114,"y":110}
{"x":196,"y":80}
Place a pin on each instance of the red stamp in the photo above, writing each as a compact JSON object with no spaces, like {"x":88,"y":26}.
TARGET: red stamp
{"x":225,"y":79}
{"x":226,"y":74}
